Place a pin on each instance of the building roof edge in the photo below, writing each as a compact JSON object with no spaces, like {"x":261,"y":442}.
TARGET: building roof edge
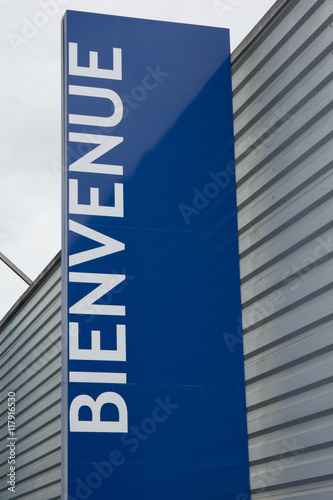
{"x":30,"y":290}
{"x":258,"y":29}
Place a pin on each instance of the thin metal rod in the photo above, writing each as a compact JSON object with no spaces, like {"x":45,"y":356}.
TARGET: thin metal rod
{"x":16,"y":270}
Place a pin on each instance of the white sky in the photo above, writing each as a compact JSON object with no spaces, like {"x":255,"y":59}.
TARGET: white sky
{"x":30,"y":100}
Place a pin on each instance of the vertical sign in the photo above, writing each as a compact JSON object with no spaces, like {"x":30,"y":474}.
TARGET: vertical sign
{"x":153,"y":391}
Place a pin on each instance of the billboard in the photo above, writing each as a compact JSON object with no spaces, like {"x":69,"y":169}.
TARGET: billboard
{"x":153,"y":395}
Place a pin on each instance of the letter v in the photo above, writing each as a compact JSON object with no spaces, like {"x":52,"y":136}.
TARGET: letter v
{"x":109,"y":245}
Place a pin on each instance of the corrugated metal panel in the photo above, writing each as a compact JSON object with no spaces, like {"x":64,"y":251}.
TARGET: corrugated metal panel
{"x":31,"y":367}
{"x":283,"y":131}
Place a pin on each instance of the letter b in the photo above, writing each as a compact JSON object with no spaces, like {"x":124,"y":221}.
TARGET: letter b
{"x":51,"y":7}
{"x":200,"y":201}
{"x":96,"y":425}
{"x":104,"y":468}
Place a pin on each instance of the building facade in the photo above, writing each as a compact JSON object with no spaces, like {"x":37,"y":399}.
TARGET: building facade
{"x":283,"y":142}
{"x":283,"y":138}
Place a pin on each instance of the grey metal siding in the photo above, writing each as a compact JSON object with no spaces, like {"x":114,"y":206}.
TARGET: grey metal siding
{"x":31,"y":367}
{"x":283,"y":140}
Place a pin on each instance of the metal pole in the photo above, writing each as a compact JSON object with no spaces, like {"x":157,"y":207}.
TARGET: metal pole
{"x":15,"y":269}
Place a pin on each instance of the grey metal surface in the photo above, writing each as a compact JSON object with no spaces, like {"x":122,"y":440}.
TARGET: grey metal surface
{"x":14,"y":268}
{"x":283,"y":130}
{"x":30,"y":344}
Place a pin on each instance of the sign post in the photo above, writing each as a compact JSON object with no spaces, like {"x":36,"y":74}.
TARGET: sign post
{"x":153,"y":396}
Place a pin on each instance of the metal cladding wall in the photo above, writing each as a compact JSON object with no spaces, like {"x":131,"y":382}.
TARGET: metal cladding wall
{"x":30,"y":367}
{"x":283,"y":131}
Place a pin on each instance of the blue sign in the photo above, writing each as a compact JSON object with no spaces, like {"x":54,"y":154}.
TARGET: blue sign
{"x":153,"y":390}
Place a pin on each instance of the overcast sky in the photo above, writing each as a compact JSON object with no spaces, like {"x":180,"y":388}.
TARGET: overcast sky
{"x":30,"y":198}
